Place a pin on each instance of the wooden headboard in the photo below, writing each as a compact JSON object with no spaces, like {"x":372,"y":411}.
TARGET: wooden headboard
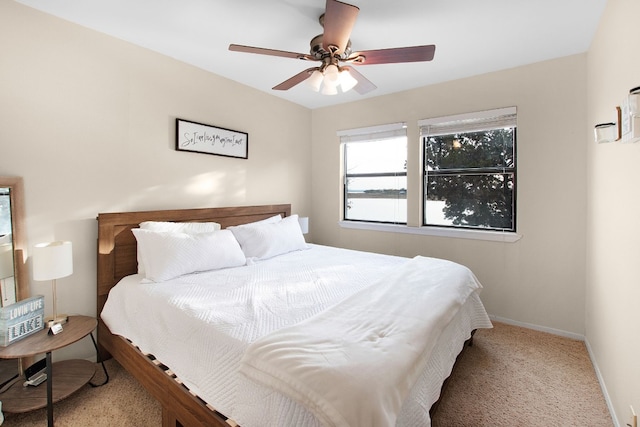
{"x":117,"y":249}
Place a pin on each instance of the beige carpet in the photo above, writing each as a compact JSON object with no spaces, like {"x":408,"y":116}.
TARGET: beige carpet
{"x":121,"y":402}
{"x":513,"y":376}
{"x":510,"y":377}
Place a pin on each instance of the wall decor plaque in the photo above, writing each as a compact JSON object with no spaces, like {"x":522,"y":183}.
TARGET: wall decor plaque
{"x":208,"y":139}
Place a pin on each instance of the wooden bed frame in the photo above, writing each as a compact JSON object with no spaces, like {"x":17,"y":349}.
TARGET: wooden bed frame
{"x":117,"y":258}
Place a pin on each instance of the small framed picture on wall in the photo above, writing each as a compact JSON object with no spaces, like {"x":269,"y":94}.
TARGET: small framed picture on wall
{"x":208,"y":139}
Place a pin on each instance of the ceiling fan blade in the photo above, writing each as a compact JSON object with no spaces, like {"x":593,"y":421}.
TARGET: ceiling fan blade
{"x":298,"y":78}
{"x":271,"y":52}
{"x":364,"y":85}
{"x":393,"y":55}
{"x":339,"y":19}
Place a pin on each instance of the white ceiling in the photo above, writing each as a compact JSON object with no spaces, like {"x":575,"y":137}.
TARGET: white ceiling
{"x":471,"y":36}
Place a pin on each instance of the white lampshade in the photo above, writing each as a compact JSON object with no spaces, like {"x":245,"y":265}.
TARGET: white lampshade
{"x":347,"y":81}
{"x":304,"y":224}
{"x":331,"y":76}
{"x":52,"y":260}
{"x":329,"y":90}
{"x":315,"y":80}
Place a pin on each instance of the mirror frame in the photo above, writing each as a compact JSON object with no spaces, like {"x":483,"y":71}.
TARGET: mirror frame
{"x":16,"y":193}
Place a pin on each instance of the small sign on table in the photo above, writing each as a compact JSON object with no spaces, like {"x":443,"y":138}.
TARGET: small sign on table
{"x":21,"y":319}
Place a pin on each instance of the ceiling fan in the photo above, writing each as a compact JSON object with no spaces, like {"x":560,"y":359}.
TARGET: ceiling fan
{"x":333,"y":49}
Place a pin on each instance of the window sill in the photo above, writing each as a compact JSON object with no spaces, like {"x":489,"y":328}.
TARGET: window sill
{"x":494,"y":236}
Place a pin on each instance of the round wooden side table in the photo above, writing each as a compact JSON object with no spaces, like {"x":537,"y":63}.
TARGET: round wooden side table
{"x":63,"y":378}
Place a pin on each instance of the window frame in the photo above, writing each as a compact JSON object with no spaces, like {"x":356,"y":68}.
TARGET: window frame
{"x":414,"y":227}
{"x":363,"y":136}
{"x":468,"y":123}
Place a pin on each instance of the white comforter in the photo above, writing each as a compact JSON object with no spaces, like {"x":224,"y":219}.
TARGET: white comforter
{"x":355,"y":363}
{"x":200,"y":325}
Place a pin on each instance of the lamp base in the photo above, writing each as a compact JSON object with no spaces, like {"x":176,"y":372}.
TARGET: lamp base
{"x":60,"y":319}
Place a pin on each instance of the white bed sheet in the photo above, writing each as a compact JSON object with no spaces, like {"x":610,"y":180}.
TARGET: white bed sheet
{"x":199,"y":326}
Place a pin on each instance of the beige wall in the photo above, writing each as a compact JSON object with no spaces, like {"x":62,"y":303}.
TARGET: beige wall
{"x":88,"y":121}
{"x":613,"y":228}
{"x":539,"y":279}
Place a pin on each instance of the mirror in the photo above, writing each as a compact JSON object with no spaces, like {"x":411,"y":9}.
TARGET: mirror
{"x":7,"y":268}
{"x":14,"y":282}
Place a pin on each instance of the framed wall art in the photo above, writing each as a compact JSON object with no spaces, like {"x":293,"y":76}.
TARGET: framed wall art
{"x":208,"y":139}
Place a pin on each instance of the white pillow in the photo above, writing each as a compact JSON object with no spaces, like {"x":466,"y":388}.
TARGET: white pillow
{"x":264,"y":240}
{"x":181,"y":227}
{"x":270,"y":220}
{"x":178,"y":227}
{"x":169,"y":255}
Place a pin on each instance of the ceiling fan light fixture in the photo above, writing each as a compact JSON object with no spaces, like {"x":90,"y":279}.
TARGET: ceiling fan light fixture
{"x":347,"y":81}
{"x":315,"y":80}
{"x":328,"y":89}
{"x":331,"y":75}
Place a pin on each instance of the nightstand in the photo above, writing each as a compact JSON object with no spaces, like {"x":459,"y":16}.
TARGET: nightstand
{"x":63,"y":378}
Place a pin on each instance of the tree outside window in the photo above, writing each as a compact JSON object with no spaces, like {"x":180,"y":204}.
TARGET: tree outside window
{"x":470,"y":174}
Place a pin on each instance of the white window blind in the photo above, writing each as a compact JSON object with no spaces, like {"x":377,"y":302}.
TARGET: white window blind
{"x":373,"y":133}
{"x":474,"y":122}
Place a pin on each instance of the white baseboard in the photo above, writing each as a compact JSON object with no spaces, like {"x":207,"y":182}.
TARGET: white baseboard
{"x":603,"y":387}
{"x":553,"y":331}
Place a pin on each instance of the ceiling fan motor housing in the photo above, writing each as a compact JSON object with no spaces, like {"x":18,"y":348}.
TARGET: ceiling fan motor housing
{"x":317,"y":50}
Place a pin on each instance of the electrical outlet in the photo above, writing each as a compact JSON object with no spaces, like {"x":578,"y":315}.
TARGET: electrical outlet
{"x":633,"y":418}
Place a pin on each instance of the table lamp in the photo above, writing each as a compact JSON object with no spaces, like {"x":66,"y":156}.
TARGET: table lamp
{"x":53,"y":261}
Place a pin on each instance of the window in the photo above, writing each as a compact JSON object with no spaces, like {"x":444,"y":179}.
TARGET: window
{"x":470,"y":170}
{"x":375,"y":174}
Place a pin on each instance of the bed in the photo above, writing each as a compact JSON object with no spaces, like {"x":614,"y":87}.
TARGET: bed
{"x":233,"y":381}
